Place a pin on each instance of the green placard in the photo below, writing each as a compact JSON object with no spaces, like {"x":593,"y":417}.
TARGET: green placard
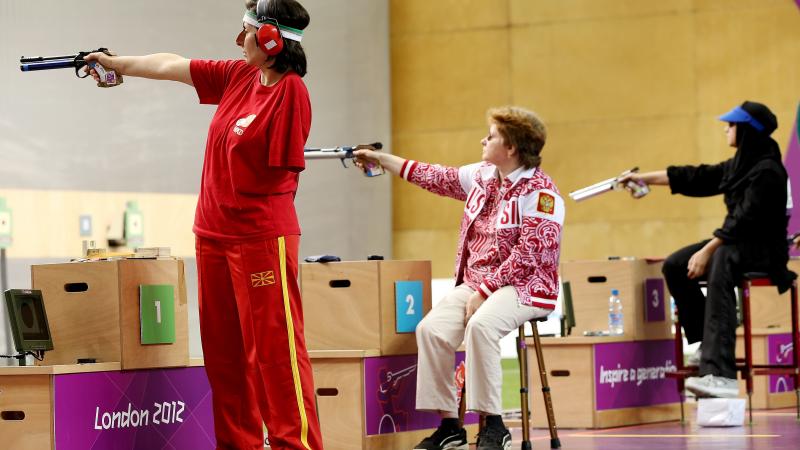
{"x":157,"y":313}
{"x":133,"y":226}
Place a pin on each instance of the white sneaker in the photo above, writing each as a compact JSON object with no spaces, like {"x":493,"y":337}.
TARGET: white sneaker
{"x":694,"y":359}
{"x":713,"y":386}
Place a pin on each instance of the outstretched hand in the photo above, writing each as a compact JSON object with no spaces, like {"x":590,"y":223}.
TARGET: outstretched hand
{"x":364,"y":156}
{"x":628,"y":178}
{"x":107,"y":61}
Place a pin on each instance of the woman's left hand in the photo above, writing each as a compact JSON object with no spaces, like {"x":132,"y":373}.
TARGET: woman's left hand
{"x":475,"y":301}
{"x":698,"y":263}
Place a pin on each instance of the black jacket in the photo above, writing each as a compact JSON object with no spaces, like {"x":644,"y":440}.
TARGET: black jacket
{"x":757,"y":218}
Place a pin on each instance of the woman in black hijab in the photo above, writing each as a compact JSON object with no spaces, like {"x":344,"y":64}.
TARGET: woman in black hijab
{"x":752,"y":238}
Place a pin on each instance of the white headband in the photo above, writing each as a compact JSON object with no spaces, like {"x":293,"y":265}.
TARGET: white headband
{"x":287,"y":32}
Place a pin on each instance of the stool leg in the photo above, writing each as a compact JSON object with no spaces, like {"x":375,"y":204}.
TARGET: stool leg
{"x":679,"y":382}
{"x":748,"y":347}
{"x":548,"y":402}
{"x":522,"y":358}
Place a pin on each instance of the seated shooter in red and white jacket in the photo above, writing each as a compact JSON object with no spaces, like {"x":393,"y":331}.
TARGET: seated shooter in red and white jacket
{"x":506,"y":270}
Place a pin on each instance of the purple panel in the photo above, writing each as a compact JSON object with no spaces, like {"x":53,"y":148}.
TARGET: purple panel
{"x":779,"y":351}
{"x":792,"y":164}
{"x":629,"y":374}
{"x":153,"y":409}
{"x":654,"y":300}
{"x":390,"y":390}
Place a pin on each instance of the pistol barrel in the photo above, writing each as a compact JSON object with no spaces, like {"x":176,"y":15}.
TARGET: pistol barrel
{"x":23,"y":59}
{"x":47,"y":65}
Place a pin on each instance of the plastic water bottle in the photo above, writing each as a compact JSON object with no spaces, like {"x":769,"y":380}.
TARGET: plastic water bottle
{"x":614,"y":314}
{"x":673,"y":309}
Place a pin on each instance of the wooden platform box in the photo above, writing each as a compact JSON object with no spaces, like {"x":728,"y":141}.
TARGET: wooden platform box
{"x":770,"y":309}
{"x":365,"y":305}
{"x":603,"y":382}
{"x":645,"y":298}
{"x":94,"y":311}
{"x":770,"y":346}
{"x":77,"y":407}
{"x":366,"y":401}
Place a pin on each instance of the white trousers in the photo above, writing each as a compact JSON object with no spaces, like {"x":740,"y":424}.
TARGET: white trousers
{"x":441,"y":332}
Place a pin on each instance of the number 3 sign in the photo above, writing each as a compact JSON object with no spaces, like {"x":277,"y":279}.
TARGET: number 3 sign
{"x":408,"y":305}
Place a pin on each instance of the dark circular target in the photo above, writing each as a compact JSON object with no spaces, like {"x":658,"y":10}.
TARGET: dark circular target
{"x":27,"y":314}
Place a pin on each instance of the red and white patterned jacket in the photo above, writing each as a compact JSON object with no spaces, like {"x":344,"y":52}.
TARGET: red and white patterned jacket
{"x":528,"y":225}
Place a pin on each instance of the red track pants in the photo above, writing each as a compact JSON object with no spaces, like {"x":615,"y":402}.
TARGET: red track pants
{"x":251,"y":324}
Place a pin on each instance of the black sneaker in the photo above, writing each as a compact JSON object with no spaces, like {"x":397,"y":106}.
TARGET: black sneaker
{"x":494,"y":438}
{"x":442,"y":439}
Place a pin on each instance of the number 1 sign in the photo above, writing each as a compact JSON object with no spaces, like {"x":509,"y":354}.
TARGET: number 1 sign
{"x":157,"y":313}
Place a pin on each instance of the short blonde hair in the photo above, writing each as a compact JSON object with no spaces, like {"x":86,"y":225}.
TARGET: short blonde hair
{"x":523,"y":130}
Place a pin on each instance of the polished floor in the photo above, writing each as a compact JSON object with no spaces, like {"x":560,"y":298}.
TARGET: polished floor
{"x":773,"y":429}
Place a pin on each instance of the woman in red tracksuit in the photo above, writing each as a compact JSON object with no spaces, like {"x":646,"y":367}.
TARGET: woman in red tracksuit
{"x":506,"y":270}
{"x":251,"y":318}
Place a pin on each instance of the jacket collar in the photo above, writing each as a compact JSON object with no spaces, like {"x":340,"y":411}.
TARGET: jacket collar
{"x":489,"y":172}
{"x":521,"y":173}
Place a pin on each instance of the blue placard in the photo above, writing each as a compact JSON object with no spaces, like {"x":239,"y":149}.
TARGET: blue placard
{"x":408,"y":305}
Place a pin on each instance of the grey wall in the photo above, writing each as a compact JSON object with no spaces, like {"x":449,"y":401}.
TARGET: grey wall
{"x":61,"y":133}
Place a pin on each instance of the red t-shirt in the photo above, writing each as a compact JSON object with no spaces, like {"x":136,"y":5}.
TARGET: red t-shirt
{"x":254,"y":151}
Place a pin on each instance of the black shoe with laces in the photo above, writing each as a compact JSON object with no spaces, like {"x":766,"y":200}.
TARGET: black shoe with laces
{"x":494,"y":438}
{"x":444,"y":439}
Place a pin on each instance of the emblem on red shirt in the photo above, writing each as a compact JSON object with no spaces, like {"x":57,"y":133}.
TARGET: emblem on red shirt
{"x":547,"y":203}
{"x":262,"y":278}
{"x":243,"y":123}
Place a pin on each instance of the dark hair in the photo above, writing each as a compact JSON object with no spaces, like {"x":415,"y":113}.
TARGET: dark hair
{"x":522,"y":129}
{"x":292,"y":14}
{"x":762,"y":114}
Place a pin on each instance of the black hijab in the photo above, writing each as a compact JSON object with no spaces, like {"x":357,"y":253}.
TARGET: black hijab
{"x":752,"y":146}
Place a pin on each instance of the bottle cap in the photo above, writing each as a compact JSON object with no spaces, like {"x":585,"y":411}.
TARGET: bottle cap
{"x":614,"y":292}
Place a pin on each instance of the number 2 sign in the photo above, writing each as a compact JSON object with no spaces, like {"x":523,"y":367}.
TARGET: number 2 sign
{"x":408,"y":305}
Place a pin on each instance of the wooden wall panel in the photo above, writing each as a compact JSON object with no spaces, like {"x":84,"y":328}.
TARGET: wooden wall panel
{"x":444,"y":81}
{"x":535,"y":11}
{"x":611,"y":69}
{"x":425,"y":16}
{"x":748,"y":53}
{"x":618,"y":82}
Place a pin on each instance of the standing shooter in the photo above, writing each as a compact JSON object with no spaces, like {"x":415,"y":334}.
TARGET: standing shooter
{"x":251,"y":318}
